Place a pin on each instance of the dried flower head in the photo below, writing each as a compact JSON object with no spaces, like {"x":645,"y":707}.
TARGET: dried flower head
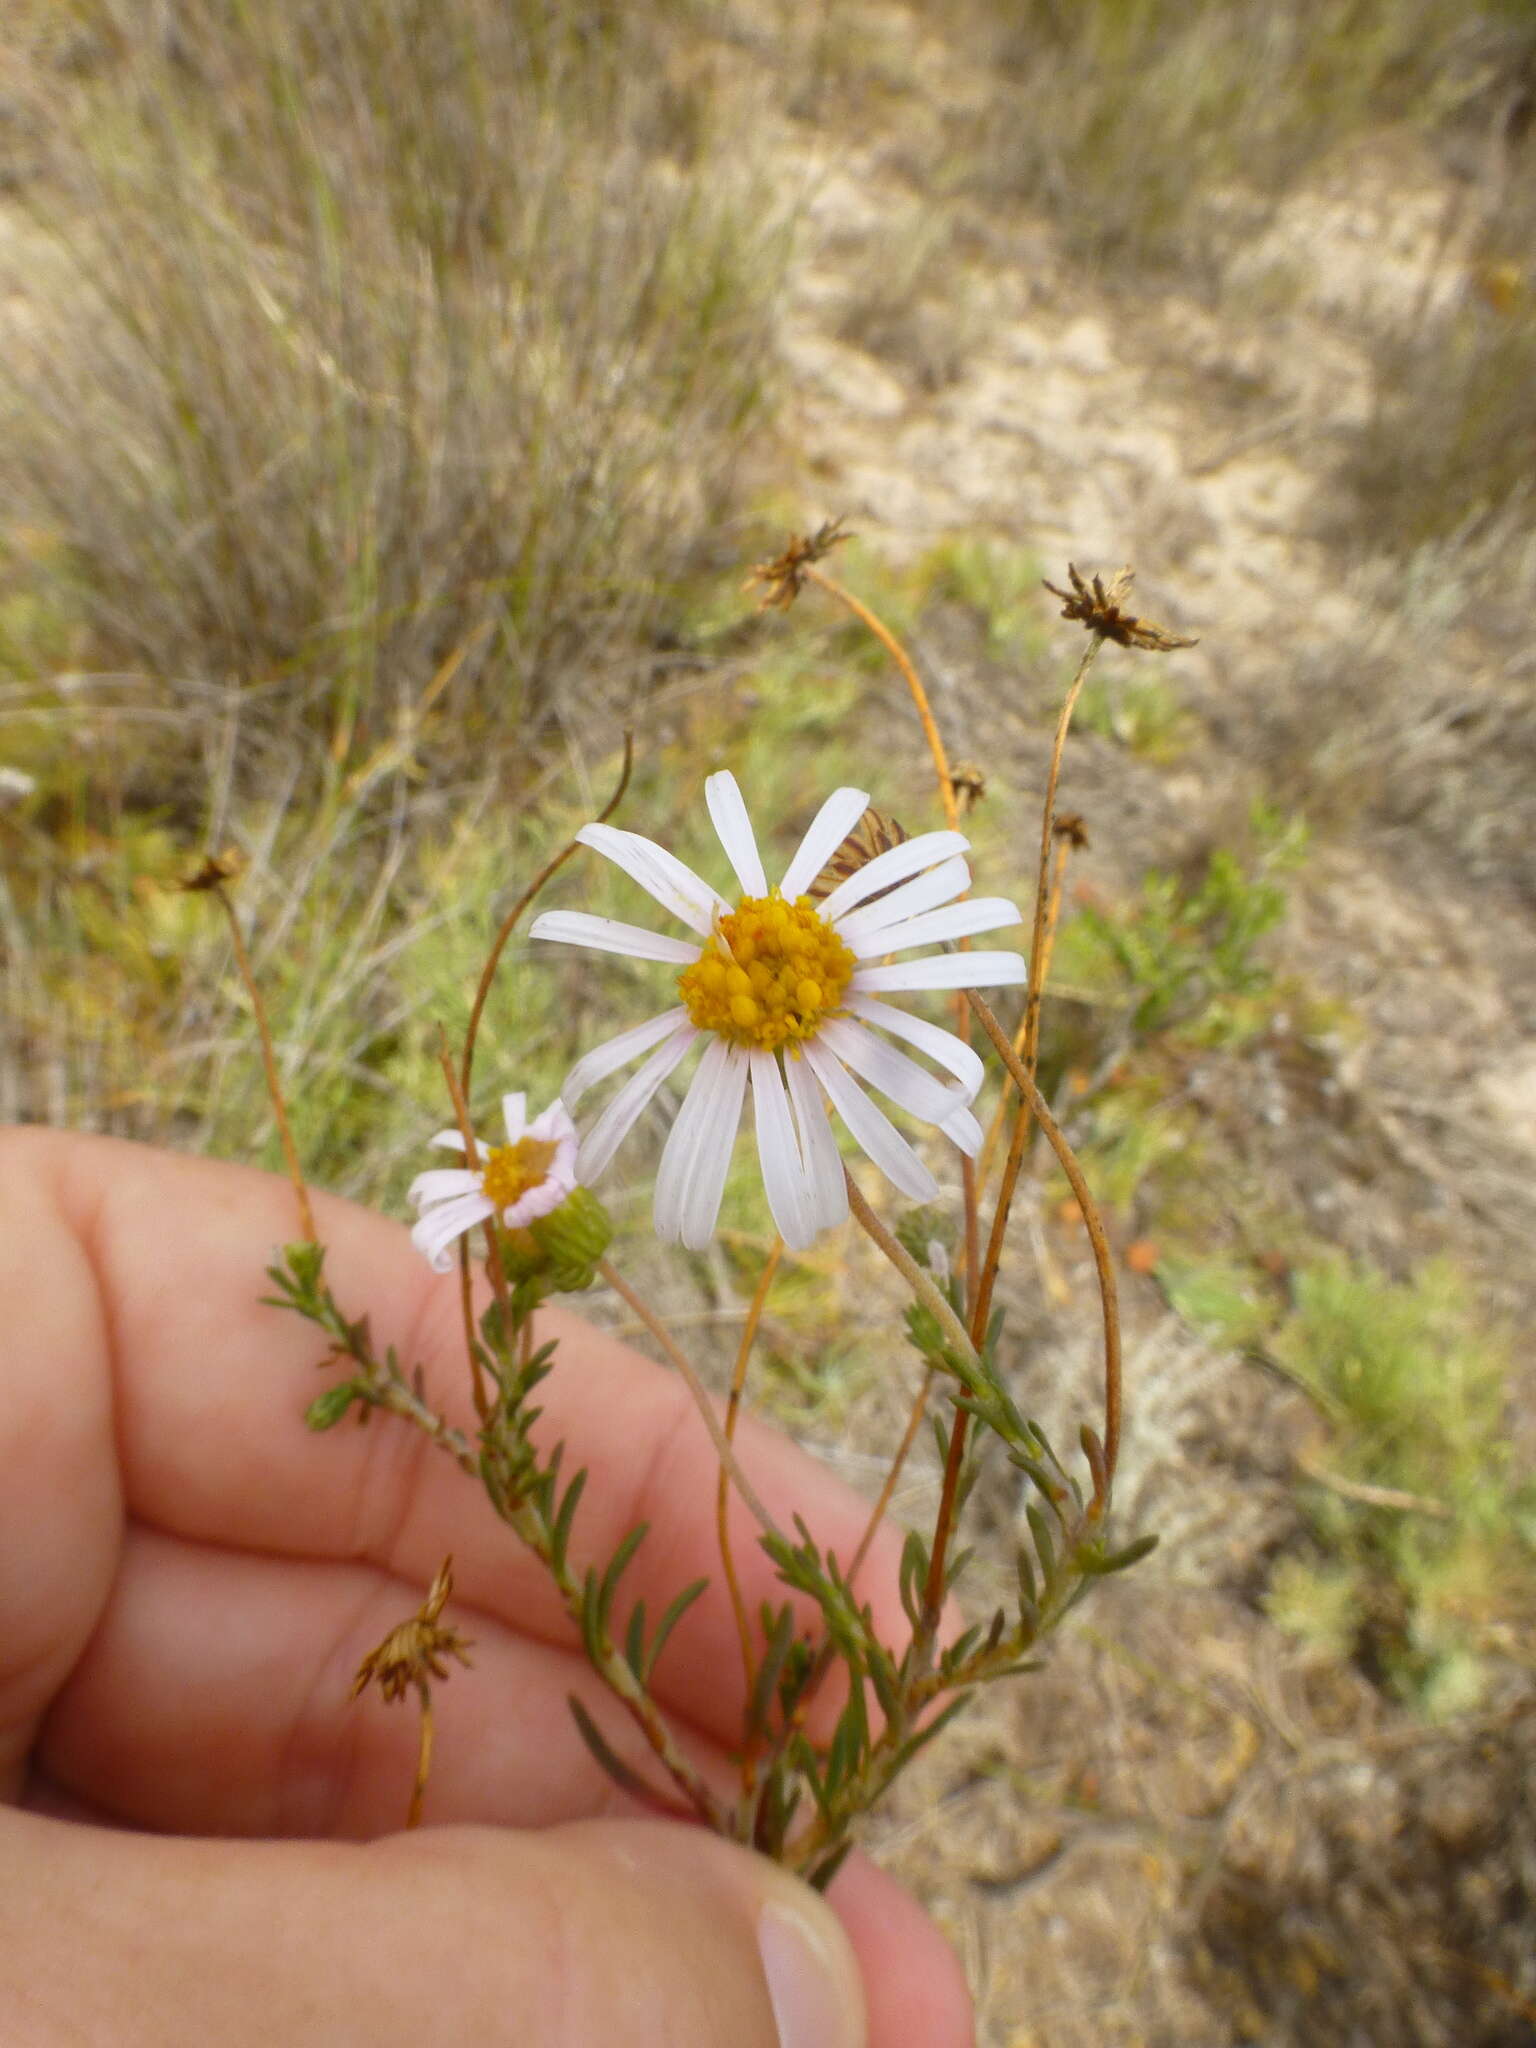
{"x":969,"y":784}
{"x":1101,"y":612}
{"x":1072,"y":827}
{"x":874,"y":834}
{"x":213,"y":872}
{"x":414,"y":1652}
{"x":785,"y":576}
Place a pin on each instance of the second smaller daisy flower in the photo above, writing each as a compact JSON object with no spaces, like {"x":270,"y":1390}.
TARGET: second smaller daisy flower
{"x":516,"y":1183}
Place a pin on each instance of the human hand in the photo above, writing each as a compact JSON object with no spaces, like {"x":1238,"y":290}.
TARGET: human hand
{"x":201,"y":1842}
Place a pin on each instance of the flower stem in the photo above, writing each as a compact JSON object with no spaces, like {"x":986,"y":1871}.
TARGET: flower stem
{"x":423,"y":1757}
{"x":1027,"y":1060}
{"x":722,"y":1497}
{"x":679,"y":1358}
{"x":269,"y":1065}
{"x":910,"y":677}
{"x":1108,"y":1291}
{"x":508,"y":923}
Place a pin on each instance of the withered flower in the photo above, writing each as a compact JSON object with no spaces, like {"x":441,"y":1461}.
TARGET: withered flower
{"x":414,"y":1651}
{"x":213,"y":872}
{"x":969,"y":785}
{"x":785,"y":576}
{"x":1071,"y":826}
{"x":1100,"y":611}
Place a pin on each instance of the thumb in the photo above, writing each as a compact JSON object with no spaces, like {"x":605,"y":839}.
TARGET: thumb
{"x":641,"y":1932}
{"x":632,"y":1932}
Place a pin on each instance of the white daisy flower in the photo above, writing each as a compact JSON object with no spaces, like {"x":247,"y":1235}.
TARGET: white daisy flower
{"x":517,"y":1182}
{"x":785,"y":990}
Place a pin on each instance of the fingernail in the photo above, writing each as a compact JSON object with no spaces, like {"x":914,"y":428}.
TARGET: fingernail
{"x":812,"y":1980}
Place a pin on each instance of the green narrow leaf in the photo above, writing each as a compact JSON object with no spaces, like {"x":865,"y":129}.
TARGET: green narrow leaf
{"x":957,"y":1565}
{"x":634,"y":1641}
{"x":616,"y":1569}
{"x":914,"y":1572}
{"x":1099,"y":1566}
{"x":327,"y":1409}
{"x":961,"y":1648}
{"x":591,"y":1627}
{"x":620,"y":1772}
{"x":1046,"y":1549}
{"x":669,"y":1621}
{"x":828,"y":1868}
{"x":560,"y":1534}
{"x":882,"y":1676}
{"x":925,"y":1735}
{"x":767,"y":1679}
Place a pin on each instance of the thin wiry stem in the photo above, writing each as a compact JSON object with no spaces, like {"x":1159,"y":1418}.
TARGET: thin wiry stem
{"x":466,"y":1298}
{"x":423,"y":1757}
{"x":1108,"y":1291}
{"x":550,"y":868}
{"x":910,"y":677}
{"x":679,"y":1358}
{"x":951,"y":807}
{"x":878,"y":1512}
{"x":269,"y":1065}
{"x":722,"y":1494}
{"x":921,"y":1283}
{"x":1052,"y":924}
{"x":1028,"y":1059}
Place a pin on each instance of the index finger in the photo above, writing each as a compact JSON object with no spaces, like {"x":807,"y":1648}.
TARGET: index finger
{"x":186,"y":1393}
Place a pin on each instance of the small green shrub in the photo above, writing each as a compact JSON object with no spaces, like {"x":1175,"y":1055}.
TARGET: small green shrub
{"x":1423,"y":1525}
{"x":1000,"y":584}
{"x":1140,"y":712}
{"x":1187,"y":957}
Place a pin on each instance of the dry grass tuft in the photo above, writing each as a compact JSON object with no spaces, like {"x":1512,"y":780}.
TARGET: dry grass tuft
{"x":391,"y":338}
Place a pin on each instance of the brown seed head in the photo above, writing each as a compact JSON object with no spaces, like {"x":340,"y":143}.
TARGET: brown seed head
{"x":415,"y":1650}
{"x":1100,"y":610}
{"x":213,"y":872}
{"x":874,"y":834}
{"x":1070,"y":826}
{"x":785,"y":576}
{"x":969,"y":785}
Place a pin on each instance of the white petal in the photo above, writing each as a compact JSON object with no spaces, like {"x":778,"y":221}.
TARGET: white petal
{"x":614,"y":1053}
{"x":894,"y":865}
{"x":872,"y":1128}
{"x":533,"y":1204}
{"x":452,"y":1140}
{"x":691,"y":1177}
{"x":621,"y":1115}
{"x":944,"y":970}
{"x":818,"y":1147}
{"x":554,"y":1126}
{"x":514,"y":1110}
{"x":828,"y":829}
{"x":962,"y":1128}
{"x":661,"y":874}
{"x":729,"y":814}
{"x":950,"y":878}
{"x":903,"y":1080}
{"x":941,"y":1046}
{"x":778,"y":1150}
{"x":608,"y":935}
{"x":441,"y":1184}
{"x":954,"y":921}
{"x":440,"y":1226}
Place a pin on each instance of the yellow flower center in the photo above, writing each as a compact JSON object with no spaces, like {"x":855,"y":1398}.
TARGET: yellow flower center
{"x":511,"y":1170}
{"x":771,"y":971}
